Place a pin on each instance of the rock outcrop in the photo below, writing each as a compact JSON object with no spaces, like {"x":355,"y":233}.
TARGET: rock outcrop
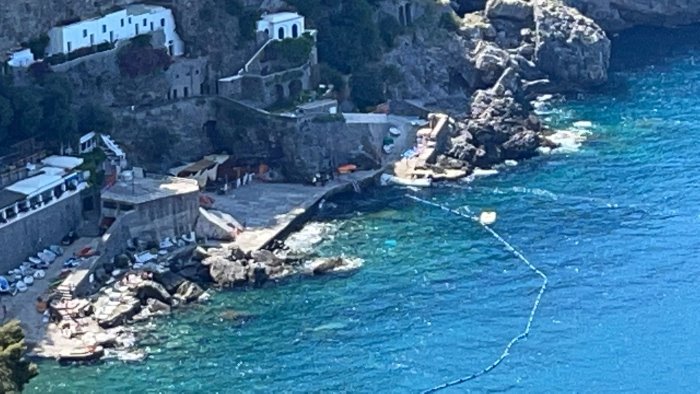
{"x":570,"y":47}
{"x":518,"y":10}
{"x":616,"y":15}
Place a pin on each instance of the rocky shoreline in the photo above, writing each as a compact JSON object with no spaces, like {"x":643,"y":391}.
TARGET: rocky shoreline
{"x":130,"y":291}
{"x":507,"y":55}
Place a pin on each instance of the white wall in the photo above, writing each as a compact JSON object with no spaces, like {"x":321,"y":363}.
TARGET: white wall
{"x":114,"y":27}
{"x":23,"y":58}
{"x":273,"y":27}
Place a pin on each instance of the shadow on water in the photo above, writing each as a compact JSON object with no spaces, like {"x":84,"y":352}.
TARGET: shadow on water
{"x":642,"y":47}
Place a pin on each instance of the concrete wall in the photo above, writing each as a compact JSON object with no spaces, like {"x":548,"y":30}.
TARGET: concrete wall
{"x":187,"y":78}
{"x":26,"y":237}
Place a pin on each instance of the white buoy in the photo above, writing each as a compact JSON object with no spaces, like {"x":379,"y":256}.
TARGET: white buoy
{"x":487,"y":218}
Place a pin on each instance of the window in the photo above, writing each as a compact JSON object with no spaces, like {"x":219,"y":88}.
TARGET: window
{"x":174,"y":93}
{"x":177,"y":76}
{"x":152,"y":26}
{"x":84,"y":33}
{"x":145,"y":22}
{"x":70,"y":46}
{"x":185,"y":93}
{"x":162,"y":22}
{"x":196,"y":72}
{"x":280,"y":33}
{"x":295,"y":31}
{"x":126,"y":207}
{"x":109,"y":204}
{"x":122,"y":22}
{"x":104,"y":28}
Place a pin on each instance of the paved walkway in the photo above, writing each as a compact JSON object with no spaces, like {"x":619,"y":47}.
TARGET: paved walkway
{"x":267,"y":209}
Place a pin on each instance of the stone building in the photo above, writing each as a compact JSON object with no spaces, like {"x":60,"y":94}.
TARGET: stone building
{"x":161,"y":206}
{"x":281,"y":25}
{"x":39,"y":210}
{"x":120,"y":25}
{"x":265,"y":80}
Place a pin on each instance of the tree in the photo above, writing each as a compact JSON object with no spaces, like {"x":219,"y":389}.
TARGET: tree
{"x":350,"y":37}
{"x":331,"y":76}
{"x":7,"y":115}
{"x":156,"y":142}
{"x":58,"y":124}
{"x":15,"y":371}
{"x":390,"y":30}
{"x":26,"y":102}
{"x":94,"y":117}
{"x":233,"y":7}
{"x":367,"y":87}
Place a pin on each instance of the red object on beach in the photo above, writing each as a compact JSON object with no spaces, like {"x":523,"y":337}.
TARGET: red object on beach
{"x":86,"y":252}
{"x":347,"y":168}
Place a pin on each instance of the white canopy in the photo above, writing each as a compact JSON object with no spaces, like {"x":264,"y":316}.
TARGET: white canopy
{"x":65,"y":162}
{"x":36,"y":184}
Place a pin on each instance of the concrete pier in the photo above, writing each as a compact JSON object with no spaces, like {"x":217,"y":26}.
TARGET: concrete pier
{"x":270,"y":210}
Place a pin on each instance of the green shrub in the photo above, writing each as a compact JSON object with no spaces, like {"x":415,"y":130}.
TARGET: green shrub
{"x":15,"y":370}
{"x":246,"y":24}
{"x":233,"y":7}
{"x":368,"y":88}
{"x":94,"y":117}
{"x":38,"y":46}
{"x":136,"y":59}
{"x":292,"y":52}
{"x":390,"y":29}
{"x":330,"y":76}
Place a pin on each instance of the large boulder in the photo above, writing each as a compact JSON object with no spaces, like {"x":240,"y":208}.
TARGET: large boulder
{"x":188,"y":292}
{"x":522,"y":145}
{"x":324,"y":265}
{"x":150,"y":289}
{"x":570,"y":47}
{"x":227,"y":272}
{"x":108,"y":315}
{"x":211,"y":226}
{"x":490,"y":61}
{"x":170,"y":280}
{"x":517,"y":10}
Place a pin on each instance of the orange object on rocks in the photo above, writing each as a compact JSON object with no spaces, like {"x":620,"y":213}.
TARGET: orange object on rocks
{"x":347,"y":168}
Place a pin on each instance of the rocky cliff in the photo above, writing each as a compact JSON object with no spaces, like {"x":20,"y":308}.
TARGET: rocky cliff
{"x":615,"y":15}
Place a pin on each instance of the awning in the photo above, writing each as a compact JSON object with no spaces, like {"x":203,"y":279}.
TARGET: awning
{"x":36,"y":185}
{"x":65,"y":162}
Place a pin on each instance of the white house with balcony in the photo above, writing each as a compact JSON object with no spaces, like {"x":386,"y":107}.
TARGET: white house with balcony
{"x":281,"y":25}
{"x":134,"y":20}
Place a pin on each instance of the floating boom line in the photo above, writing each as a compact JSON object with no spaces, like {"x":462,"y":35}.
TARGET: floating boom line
{"x":535,"y":306}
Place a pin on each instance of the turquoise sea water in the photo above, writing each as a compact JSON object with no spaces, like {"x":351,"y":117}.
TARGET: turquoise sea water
{"x":615,"y":226}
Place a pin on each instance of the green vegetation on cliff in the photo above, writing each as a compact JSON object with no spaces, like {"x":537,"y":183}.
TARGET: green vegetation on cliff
{"x":140,"y":58}
{"x":41,"y":111}
{"x":15,"y":371}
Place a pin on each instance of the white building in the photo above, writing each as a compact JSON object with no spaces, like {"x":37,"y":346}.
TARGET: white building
{"x":281,"y":25}
{"x":21,"y":58}
{"x":124,"y":24}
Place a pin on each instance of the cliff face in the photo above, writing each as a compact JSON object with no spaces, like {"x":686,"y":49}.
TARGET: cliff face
{"x":615,"y":15}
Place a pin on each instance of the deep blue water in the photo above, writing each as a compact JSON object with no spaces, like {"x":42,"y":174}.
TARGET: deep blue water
{"x":615,"y":226}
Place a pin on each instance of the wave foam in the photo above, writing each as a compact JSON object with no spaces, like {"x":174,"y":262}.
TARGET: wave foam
{"x":310,"y":235}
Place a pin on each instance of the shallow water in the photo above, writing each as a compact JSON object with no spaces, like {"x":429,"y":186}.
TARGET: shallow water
{"x":614,"y":226}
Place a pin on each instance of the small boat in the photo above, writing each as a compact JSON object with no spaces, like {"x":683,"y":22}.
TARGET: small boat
{"x":387,"y":179}
{"x":166,"y":243}
{"x":28,"y":280}
{"x":90,"y":353}
{"x":35,"y":260}
{"x":57,"y":250}
{"x":388,"y":148}
{"x":347,"y":168}
{"x":394,"y":131}
{"x":39,"y":274}
{"x":21,"y":286}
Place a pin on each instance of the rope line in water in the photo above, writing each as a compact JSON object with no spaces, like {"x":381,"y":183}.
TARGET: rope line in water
{"x":535,"y":306}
